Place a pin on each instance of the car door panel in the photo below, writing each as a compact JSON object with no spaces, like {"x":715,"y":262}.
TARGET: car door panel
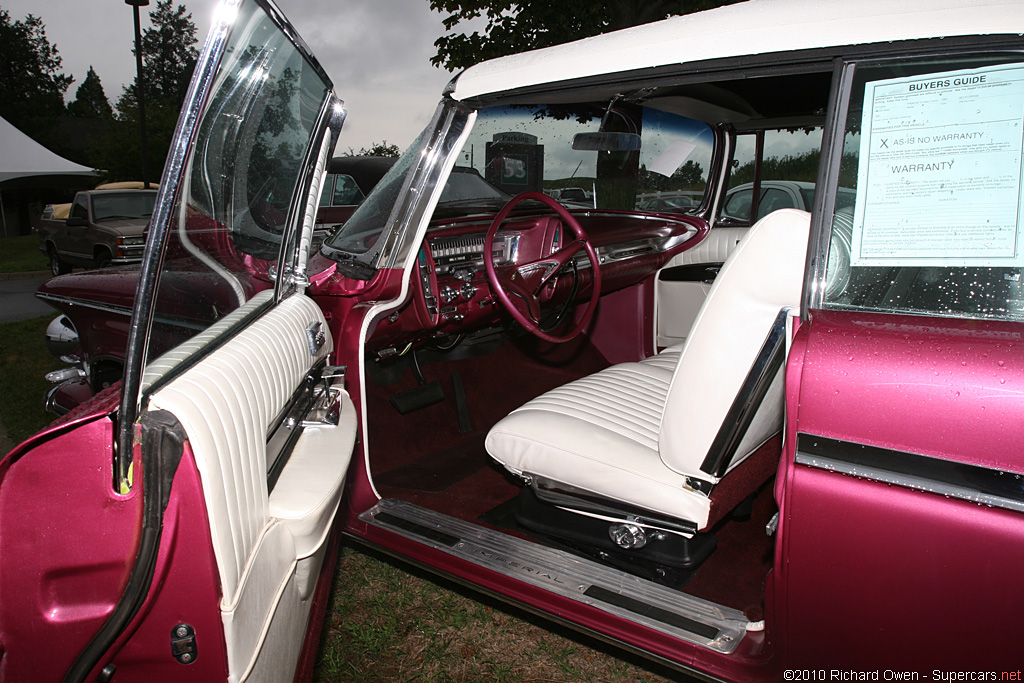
{"x":71,"y":558}
{"x":679,"y":299}
{"x":884,"y":506}
{"x":227,"y":404}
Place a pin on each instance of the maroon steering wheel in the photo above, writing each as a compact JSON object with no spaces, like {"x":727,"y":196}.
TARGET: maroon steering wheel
{"x":520,"y":287}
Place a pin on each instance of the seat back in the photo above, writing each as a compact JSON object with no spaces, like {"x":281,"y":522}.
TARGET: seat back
{"x":763,"y":275}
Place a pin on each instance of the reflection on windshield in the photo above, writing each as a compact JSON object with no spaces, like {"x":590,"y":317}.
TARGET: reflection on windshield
{"x":520,"y":148}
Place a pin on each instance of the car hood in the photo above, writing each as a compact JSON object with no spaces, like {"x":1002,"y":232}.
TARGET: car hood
{"x":126,"y":226}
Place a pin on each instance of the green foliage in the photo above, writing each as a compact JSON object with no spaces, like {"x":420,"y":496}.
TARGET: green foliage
{"x":789,"y":167}
{"x":390,"y":622}
{"x":377,"y":149}
{"x":689,"y":176}
{"x":168,"y":53}
{"x":32,"y":84}
{"x":519,"y":25}
{"x":24,"y":361}
{"x":90,"y":99}
{"x":168,"y":58}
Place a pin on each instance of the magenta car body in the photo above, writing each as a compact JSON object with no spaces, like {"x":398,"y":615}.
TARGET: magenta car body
{"x":779,"y":451}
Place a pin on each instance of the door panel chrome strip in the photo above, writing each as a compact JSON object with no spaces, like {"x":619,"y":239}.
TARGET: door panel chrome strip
{"x":974,"y":483}
{"x":654,"y":606}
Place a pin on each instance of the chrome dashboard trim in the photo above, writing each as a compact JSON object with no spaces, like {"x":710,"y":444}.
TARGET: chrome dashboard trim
{"x":612,"y":253}
{"x":471,"y":250}
{"x":973,"y":483}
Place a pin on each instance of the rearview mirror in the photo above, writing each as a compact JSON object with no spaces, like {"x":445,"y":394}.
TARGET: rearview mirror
{"x":606,"y":142}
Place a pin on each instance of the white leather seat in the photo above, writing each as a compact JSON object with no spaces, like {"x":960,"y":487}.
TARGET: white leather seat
{"x":639,"y":434}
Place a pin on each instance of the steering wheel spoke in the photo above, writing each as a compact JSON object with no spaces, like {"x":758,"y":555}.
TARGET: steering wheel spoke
{"x":520,"y":288}
{"x":524,"y":292}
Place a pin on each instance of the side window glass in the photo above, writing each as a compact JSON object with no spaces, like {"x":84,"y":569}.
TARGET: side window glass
{"x":674,"y":164}
{"x":328,"y":190}
{"x":928,"y":218}
{"x":773,"y":199}
{"x":737,"y":205}
{"x":224,"y":236}
{"x":346,"y":192}
{"x":786,"y":171}
{"x":79,"y":209}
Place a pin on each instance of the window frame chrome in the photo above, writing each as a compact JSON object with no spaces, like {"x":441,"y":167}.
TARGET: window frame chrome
{"x":194,"y":107}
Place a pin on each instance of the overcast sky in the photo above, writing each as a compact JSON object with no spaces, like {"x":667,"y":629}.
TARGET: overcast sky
{"x":377,"y":52}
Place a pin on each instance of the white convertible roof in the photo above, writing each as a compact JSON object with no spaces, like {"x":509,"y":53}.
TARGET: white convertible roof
{"x":748,"y":28}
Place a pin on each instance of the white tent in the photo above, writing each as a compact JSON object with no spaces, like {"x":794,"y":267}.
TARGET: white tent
{"x":21,"y":156}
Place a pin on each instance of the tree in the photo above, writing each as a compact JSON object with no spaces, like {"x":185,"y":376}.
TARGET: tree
{"x":519,"y":25}
{"x":90,"y":99}
{"x":168,"y":58}
{"x":168,"y":52}
{"x":377,"y":149}
{"x":32,"y":84}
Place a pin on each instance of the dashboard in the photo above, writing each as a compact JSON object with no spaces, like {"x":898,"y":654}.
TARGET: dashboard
{"x":451,"y":295}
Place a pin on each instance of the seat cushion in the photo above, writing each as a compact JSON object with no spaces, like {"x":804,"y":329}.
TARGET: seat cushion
{"x":600,"y":434}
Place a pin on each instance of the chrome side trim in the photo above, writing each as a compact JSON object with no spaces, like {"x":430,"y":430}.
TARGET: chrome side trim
{"x":974,"y":483}
{"x":71,"y":301}
{"x":654,"y":606}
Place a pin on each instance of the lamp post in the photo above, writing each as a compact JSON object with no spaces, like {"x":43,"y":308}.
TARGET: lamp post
{"x":139,"y":95}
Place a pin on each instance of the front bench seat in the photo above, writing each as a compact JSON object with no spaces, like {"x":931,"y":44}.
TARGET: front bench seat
{"x":656,"y":435}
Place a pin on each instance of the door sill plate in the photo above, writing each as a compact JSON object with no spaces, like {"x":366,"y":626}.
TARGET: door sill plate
{"x":657,"y":607}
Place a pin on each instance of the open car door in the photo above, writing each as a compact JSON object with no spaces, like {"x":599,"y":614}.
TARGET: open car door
{"x":188,"y":535}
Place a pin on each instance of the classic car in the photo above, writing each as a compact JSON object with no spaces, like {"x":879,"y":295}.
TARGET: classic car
{"x":348,"y":181}
{"x":101,"y":306}
{"x":774,"y":195}
{"x":788,"y":451}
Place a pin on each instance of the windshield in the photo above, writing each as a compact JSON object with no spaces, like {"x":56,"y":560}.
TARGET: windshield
{"x":121,"y":205}
{"x":530,"y":148}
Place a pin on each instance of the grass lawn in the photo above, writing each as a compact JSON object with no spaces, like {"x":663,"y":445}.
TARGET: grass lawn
{"x":21,"y":255}
{"x":387,"y":621}
{"x":23,"y":362}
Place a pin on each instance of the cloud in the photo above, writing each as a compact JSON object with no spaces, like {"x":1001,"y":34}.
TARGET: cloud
{"x":377,"y":53}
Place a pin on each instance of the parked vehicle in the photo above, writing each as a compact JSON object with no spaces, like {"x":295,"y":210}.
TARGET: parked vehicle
{"x":672,"y":202}
{"x":775,"y":195}
{"x":348,"y":181}
{"x":103,"y":228}
{"x":100,"y":305}
{"x":820,"y":482}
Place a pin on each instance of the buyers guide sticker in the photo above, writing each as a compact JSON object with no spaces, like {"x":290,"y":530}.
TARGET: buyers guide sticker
{"x":939,"y":180}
